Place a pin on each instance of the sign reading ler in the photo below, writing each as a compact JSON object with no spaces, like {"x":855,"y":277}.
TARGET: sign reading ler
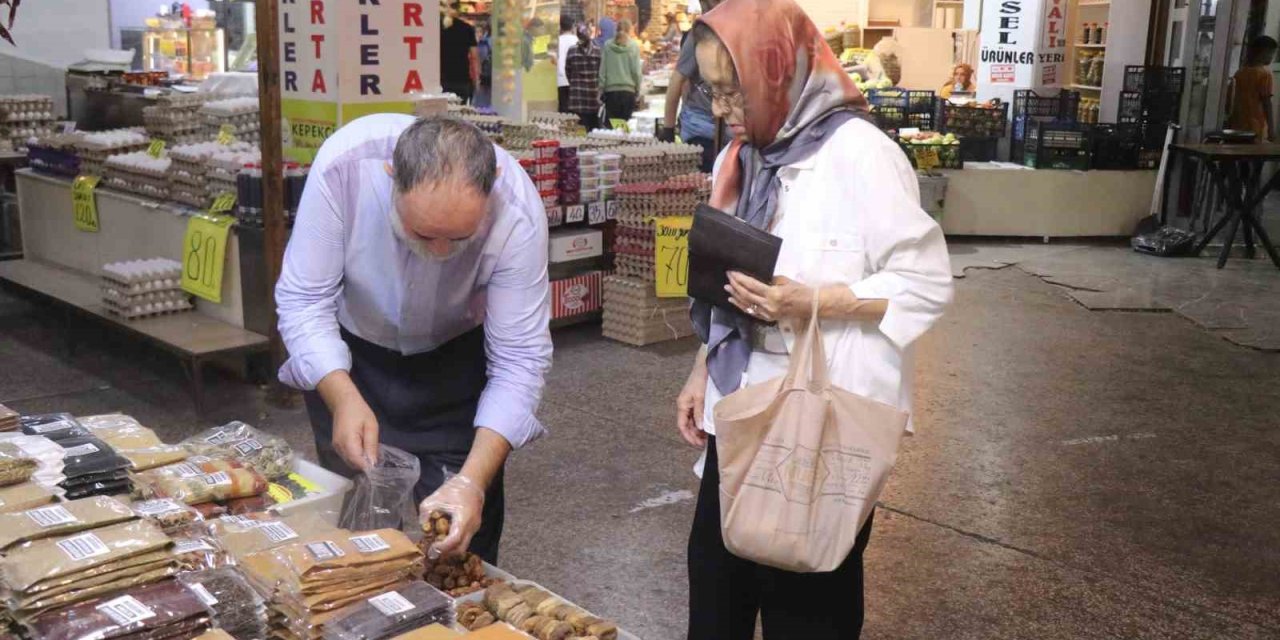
{"x":204,"y":252}
{"x":84,"y":204}
{"x":671,"y":256}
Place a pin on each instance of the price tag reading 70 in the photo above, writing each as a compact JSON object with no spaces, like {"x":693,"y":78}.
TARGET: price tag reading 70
{"x":204,"y":253}
{"x":671,"y":256}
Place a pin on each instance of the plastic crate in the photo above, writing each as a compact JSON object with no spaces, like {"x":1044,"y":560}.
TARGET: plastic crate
{"x":1139,"y":107}
{"x":889,"y":118}
{"x":979,"y":149}
{"x":896,"y":98}
{"x":922,"y":121}
{"x":55,"y":161}
{"x":921,"y":101}
{"x":1114,"y":147}
{"x":971,"y":121}
{"x":1030,"y":108}
{"x":1154,"y":79}
{"x":1057,"y":146}
{"x":948,"y":155}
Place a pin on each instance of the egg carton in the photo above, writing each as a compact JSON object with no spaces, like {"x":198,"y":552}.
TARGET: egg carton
{"x":139,"y":164}
{"x":138,"y":312}
{"x":244,"y":106}
{"x":619,"y":137}
{"x":216,"y":186}
{"x":634,"y":266}
{"x":192,"y":196}
{"x":128,"y":273}
{"x":119,"y":298}
{"x":113,"y":141}
{"x":146,"y":190}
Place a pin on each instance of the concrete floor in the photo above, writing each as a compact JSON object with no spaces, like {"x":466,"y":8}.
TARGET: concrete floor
{"x":1076,"y":473}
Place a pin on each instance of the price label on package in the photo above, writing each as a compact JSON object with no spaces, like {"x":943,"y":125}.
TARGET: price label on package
{"x":204,"y":253}
{"x":226,"y":134}
{"x":156,"y":149}
{"x":596,"y":212}
{"x":84,"y":204}
{"x":575,"y":213}
{"x":671,"y":256}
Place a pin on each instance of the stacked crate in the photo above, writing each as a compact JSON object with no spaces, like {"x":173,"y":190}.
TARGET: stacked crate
{"x":633,"y":313}
{"x":1151,"y":100}
{"x":1030,"y":107}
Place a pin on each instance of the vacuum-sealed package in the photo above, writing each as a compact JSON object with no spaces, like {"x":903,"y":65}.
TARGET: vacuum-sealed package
{"x":61,"y":519}
{"x":145,"y":483}
{"x":54,"y":426}
{"x":15,"y":465}
{"x":165,"y":609}
{"x":216,"y":634}
{"x":89,"y":458}
{"x":136,"y":443}
{"x":389,"y":614}
{"x":8,"y":419}
{"x":211,"y":487}
{"x":251,"y":533}
{"x":20,"y":497}
{"x":45,"y":563}
{"x":267,"y":454}
{"x":237,"y":608}
{"x":380,"y":499}
{"x":166,"y":513}
{"x":48,"y":455}
{"x":196,"y":550}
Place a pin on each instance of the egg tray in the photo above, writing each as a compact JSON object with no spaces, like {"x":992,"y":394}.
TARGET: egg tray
{"x":196,"y":197}
{"x":635,"y":267}
{"x":139,"y":313}
{"x":117,"y":297}
{"x":146,"y":190}
{"x":216,"y":186}
{"x":140,"y":287}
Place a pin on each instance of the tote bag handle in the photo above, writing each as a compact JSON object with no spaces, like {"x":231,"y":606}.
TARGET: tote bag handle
{"x":808,"y":367}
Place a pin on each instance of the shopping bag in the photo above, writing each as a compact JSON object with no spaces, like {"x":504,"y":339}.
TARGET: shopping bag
{"x":383,"y":495}
{"x":802,"y":463}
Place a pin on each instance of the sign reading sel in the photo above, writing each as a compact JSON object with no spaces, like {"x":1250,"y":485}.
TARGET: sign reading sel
{"x":204,"y":254}
{"x":84,"y":204}
{"x":671,"y":256}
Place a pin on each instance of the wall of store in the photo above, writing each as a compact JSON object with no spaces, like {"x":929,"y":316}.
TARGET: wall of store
{"x":56,"y":32}
{"x":830,"y":13}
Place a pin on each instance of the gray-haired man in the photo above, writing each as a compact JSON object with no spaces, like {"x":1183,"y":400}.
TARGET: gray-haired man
{"x":414,"y":304}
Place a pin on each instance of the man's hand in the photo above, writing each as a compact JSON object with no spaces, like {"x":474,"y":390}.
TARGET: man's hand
{"x":691,"y":403}
{"x":355,"y":428}
{"x":464,"y":502}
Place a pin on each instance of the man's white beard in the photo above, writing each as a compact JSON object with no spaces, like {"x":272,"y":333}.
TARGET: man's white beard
{"x":419,"y":246}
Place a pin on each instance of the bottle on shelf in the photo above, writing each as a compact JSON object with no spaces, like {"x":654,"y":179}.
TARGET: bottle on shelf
{"x":1097,"y":33}
{"x":1102,"y":37}
{"x":1088,"y":34}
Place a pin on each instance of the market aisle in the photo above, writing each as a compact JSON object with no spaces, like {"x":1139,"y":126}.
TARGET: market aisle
{"x":1076,"y":474}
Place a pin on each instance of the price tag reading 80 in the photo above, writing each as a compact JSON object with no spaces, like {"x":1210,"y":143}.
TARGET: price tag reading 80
{"x":204,"y":252}
{"x":671,"y":256}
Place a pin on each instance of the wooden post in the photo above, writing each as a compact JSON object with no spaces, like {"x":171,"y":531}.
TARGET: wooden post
{"x":268,"y":25}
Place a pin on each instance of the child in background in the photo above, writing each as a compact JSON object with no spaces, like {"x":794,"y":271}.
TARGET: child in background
{"x":1251,"y":98}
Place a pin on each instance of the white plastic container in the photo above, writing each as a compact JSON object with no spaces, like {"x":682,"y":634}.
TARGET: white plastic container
{"x":328,"y":503}
{"x":610,"y":161}
{"x":610,"y":178}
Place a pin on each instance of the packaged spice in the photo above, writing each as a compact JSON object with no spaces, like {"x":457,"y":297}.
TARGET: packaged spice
{"x":15,"y":466}
{"x":86,"y":457}
{"x":8,"y":419}
{"x":48,"y":455}
{"x":136,"y":443}
{"x":196,"y":550}
{"x":61,"y":519}
{"x":389,"y":614}
{"x":54,"y":426}
{"x":168,"y":514}
{"x":217,"y":486}
{"x":267,"y":454}
{"x":236,"y":607}
{"x":20,"y":497}
{"x":43,"y":562}
{"x":430,"y":632}
{"x":251,"y":533}
{"x":145,"y":483}
{"x":164,"y":609}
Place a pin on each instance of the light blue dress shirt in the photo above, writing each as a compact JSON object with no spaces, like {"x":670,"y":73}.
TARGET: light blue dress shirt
{"x":344,"y":266}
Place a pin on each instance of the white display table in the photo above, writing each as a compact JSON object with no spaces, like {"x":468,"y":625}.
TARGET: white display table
{"x":993,"y":199}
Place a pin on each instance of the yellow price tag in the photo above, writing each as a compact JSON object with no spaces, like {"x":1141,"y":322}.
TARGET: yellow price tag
{"x":204,"y":252}
{"x":226,"y":134}
{"x":223,"y":203}
{"x":541,"y":44}
{"x":671,"y":256}
{"x":927,"y":158}
{"x":84,"y":204}
{"x":156,"y":148}
{"x":620,"y":125}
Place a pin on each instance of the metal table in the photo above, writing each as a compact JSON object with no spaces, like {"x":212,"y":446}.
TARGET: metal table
{"x":1235,"y":170}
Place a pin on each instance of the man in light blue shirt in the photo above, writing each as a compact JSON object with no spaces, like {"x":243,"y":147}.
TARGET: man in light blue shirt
{"x":414,"y":305}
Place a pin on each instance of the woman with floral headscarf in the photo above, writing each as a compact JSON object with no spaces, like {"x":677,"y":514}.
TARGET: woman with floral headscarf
{"x":806,"y":164}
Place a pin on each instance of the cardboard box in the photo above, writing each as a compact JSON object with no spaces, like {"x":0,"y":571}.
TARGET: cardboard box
{"x":575,"y":296}
{"x":575,"y":244}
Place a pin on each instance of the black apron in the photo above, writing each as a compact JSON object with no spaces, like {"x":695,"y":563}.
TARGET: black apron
{"x":426,"y":405}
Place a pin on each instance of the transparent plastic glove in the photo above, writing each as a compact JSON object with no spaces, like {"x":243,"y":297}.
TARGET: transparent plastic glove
{"x":463,"y":500}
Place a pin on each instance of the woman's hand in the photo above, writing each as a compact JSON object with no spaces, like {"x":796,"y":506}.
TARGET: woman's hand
{"x":691,"y":403}
{"x":785,"y":299}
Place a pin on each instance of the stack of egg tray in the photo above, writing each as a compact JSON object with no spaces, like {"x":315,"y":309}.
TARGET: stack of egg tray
{"x":94,"y":148}
{"x":657,"y":162}
{"x":187,"y":172}
{"x":176,"y":119}
{"x":132,"y":293}
{"x":138,"y":173}
{"x":240,"y":113}
{"x":23,"y":117}
{"x":634,"y":315}
{"x":611,"y":136}
{"x":564,"y":123}
{"x":224,"y":166}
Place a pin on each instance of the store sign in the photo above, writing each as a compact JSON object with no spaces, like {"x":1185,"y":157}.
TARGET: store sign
{"x":671,"y":256}
{"x":204,"y":255}
{"x":1022,"y":46}
{"x":84,"y":204}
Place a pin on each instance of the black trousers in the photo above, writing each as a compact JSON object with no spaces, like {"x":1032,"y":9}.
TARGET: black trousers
{"x":618,"y":105}
{"x":726,"y":592}
{"x":426,"y":405}
{"x":562,"y":96}
{"x":590,"y":121}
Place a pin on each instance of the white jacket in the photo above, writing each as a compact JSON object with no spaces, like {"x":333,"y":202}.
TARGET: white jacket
{"x":850,"y":214}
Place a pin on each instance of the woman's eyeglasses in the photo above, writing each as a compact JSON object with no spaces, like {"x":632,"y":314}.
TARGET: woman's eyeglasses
{"x":728,"y":98}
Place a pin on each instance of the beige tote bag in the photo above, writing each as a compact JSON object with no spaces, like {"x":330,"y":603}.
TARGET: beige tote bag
{"x":801,"y":463}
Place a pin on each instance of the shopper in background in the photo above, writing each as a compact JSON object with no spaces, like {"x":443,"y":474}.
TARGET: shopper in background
{"x":620,"y":75}
{"x":414,"y":305}
{"x":582,"y":65}
{"x":568,"y":40}
{"x":484,"y":51}
{"x":697,"y":125}
{"x":807,"y":165}
{"x":459,"y":59}
{"x":607,"y":28}
{"x":1253,"y":87}
{"x":961,"y":80}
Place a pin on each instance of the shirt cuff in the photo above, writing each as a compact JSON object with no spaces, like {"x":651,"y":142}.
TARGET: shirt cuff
{"x":305,"y":372}
{"x":897,"y":324}
{"x":505,"y":411}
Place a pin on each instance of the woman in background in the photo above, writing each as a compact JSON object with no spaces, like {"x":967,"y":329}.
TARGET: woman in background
{"x":961,"y":80}
{"x":620,"y":75}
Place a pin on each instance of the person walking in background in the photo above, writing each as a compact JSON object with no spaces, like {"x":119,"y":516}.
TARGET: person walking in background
{"x":607,"y":29}
{"x":568,"y":40}
{"x":484,"y":50}
{"x":459,"y":58}
{"x":582,"y":66}
{"x":1250,"y":107}
{"x":620,"y":75}
{"x":686,"y":97}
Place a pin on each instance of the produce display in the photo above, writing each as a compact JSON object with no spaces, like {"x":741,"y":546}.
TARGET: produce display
{"x":975,"y":120}
{"x":929,"y":150}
